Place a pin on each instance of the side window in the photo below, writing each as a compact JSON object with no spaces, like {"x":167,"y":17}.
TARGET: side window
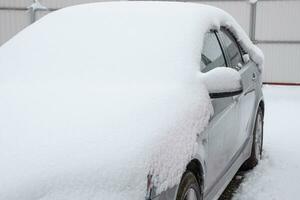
{"x":231,"y":48}
{"x":212,"y":55}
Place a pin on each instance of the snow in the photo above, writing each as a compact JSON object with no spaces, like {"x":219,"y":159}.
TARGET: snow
{"x":84,"y":142}
{"x":229,"y":80}
{"x":277,"y":176}
{"x":253,"y":1}
{"x":94,"y":97}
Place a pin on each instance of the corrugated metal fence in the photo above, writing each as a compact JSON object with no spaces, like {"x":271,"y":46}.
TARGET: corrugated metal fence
{"x":273,"y":24}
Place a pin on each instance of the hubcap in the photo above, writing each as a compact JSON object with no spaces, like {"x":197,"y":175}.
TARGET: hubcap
{"x":190,"y":194}
{"x":258,"y":137}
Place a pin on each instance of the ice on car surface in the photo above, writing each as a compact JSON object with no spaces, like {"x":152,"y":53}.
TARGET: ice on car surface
{"x":94,"y":97}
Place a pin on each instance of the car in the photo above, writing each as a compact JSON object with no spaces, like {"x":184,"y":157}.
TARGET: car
{"x":129,"y":100}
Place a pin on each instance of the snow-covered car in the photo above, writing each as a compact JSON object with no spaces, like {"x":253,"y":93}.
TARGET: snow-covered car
{"x":129,"y":100}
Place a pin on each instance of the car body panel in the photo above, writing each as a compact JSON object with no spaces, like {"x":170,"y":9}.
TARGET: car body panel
{"x":247,"y":100}
{"x":221,"y":131}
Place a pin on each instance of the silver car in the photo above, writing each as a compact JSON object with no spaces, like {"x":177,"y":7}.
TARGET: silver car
{"x":129,"y":101}
{"x":234,"y":136}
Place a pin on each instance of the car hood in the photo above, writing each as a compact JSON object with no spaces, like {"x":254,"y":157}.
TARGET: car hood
{"x":68,"y":141}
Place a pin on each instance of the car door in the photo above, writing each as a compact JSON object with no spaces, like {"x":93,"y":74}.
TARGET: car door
{"x":222,"y":127}
{"x":246,"y":101}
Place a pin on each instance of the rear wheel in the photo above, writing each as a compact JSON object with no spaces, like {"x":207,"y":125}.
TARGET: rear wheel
{"x":189,"y":188}
{"x":257,"y":144}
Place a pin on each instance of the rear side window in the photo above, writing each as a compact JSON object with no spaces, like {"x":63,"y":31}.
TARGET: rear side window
{"x":232,"y":48}
{"x":212,"y":55}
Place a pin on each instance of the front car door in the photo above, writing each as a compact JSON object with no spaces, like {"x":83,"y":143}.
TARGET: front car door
{"x":248,"y":72}
{"x":223,"y":124}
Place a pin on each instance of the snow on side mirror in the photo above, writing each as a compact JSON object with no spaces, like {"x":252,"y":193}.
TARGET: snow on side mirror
{"x":223,"y":82}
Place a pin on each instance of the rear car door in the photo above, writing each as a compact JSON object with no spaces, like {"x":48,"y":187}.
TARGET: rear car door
{"x":246,"y":68}
{"x":222,"y":126}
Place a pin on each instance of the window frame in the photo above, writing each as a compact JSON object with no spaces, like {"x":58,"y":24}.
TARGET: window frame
{"x":216,"y":32}
{"x":233,"y":39}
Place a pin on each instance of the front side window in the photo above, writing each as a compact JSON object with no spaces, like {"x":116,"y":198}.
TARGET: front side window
{"x":231,"y":48}
{"x":212,"y":55}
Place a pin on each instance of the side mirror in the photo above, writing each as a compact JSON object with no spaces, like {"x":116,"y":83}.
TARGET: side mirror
{"x":223,"y":82}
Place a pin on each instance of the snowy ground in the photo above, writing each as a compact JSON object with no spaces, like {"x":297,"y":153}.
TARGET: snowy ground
{"x":277,"y":177}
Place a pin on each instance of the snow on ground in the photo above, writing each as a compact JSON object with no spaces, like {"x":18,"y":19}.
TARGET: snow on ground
{"x":277,"y":177}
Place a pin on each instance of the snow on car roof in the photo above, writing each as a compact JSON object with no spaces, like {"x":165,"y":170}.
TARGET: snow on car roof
{"x":143,"y":36}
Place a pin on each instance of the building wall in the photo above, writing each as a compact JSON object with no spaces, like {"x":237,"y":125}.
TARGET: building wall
{"x":272,"y":24}
{"x":278,"y":35}
{"x":11,"y":22}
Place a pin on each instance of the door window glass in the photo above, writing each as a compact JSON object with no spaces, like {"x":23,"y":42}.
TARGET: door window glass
{"x":231,"y":48}
{"x":212,"y":55}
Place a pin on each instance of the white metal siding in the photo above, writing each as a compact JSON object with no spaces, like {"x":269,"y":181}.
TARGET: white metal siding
{"x":282,"y":63}
{"x":55,"y":4}
{"x":15,"y":3}
{"x":238,"y":9}
{"x":40,"y":14}
{"x":278,"y":20}
{"x":11,"y":22}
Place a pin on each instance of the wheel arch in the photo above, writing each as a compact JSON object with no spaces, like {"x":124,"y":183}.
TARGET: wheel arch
{"x":197,"y":169}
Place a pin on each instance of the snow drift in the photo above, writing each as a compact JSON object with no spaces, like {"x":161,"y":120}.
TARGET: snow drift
{"x":94,"y":97}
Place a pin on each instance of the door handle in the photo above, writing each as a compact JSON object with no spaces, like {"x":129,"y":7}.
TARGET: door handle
{"x":253,"y":76}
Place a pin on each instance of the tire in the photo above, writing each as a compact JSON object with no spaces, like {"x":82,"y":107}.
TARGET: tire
{"x":257,"y":145}
{"x":189,"y":186}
